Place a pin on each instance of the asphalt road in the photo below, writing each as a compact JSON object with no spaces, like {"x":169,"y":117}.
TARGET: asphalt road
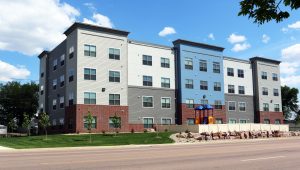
{"x":256,"y":154}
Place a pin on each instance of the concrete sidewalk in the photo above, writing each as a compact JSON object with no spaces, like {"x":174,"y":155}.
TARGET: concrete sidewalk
{"x":2,"y":148}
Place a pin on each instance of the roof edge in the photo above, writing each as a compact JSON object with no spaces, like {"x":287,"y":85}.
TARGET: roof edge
{"x":42,"y":54}
{"x":265,"y":60}
{"x":202,"y":45}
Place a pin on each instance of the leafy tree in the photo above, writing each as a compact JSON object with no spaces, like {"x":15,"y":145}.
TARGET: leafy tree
{"x":44,"y":122}
{"x":89,"y":121}
{"x":289,"y":101}
{"x":116,"y":123}
{"x":266,"y":10}
{"x":12,"y":125}
{"x":26,"y":123}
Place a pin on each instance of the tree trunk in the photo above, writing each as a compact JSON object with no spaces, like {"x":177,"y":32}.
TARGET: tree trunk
{"x":46,"y":134}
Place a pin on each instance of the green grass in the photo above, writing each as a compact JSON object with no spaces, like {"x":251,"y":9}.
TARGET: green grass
{"x":83,"y":140}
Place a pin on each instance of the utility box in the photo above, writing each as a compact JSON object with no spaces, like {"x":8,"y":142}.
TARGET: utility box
{"x":3,"y":130}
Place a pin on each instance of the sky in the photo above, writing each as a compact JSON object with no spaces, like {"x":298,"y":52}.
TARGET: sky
{"x":27,"y":27}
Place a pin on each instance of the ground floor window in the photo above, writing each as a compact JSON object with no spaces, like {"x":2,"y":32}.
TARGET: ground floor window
{"x":219,"y":121}
{"x":112,"y":124}
{"x":190,"y":121}
{"x":148,"y":122}
{"x":94,"y":122}
{"x":166,"y":121}
{"x":277,"y":121}
{"x":232,"y":121}
{"x":266,"y":121}
{"x":243,"y":121}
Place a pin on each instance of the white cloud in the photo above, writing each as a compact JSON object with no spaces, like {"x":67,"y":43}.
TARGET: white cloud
{"x":293,"y":80}
{"x":100,"y":20}
{"x":265,"y":38}
{"x":10,"y":72}
{"x":288,"y":68}
{"x":234,"y":38}
{"x":29,"y":26}
{"x":211,"y":36}
{"x":240,"y":47}
{"x":90,"y":6}
{"x":291,"y":53}
{"x":167,"y":31}
{"x":284,"y":30}
{"x":295,"y":25}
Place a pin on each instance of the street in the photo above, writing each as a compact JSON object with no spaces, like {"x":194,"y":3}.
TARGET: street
{"x":251,"y":154}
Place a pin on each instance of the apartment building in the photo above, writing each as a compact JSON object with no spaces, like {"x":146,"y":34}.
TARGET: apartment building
{"x":238,"y":87}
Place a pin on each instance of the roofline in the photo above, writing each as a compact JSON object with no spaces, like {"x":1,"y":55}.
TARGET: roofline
{"x":236,"y":59}
{"x":181,"y":41}
{"x":77,"y":25}
{"x":264,"y":60}
{"x":42,"y":54}
{"x":149,"y":44}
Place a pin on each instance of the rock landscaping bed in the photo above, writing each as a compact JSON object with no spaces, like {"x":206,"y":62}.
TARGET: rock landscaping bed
{"x":188,"y":137}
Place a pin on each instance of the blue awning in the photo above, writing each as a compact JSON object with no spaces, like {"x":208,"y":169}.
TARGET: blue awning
{"x":208,"y":107}
{"x":199,"y":108}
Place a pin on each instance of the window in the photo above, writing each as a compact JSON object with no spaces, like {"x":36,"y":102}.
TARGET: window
{"x":93,"y":125}
{"x":243,"y":121}
{"x":54,"y":122}
{"x":114,"y":53}
{"x":276,"y":108}
{"x":148,"y":122}
{"x":114,"y":99}
{"x":62,"y":80}
{"x":204,"y":101}
{"x":114,"y":76}
{"x":277,"y":121}
{"x":264,"y":75}
{"x":241,"y":89}
{"x":203,"y":65}
{"x":71,"y":52}
{"x":230,"y":72}
{"x":275,"y":77}
{"x":242,"y":106}
{"x":55,"y":64}
{"x":218,"y":104}
{"x":166,"y":121}
{"x":147,"y":60}
{"x":216,"y":67}
{"x":218,"y":121}
{"x":54,"y":104}
{"x":165,"y":102}
{"x":41,"y":108}
{"x":61,"y":102}
{"x":189,"y":103}
{"x":240,"y":73}
{"x":89,"y":74}
{"x":71,"y":75}
{"x":265,"y":91}
{"x":188,"y":63}
{"x":230,"y":88}
{"x":232,"y":121}
{"x":275,"y":92}
{"x":266,"y":121}
{"x":71,"y":98}
{"x":147,"y":80}
{"x":266,"y":107}
{"x":217,"y":86}
{"x":111,"y":123}
{"x":165,"y":62}
{"x":189,"y":83}
{"x":203,"y":85}
{"x":62,"y":60}
{"x":42,"y":75}
{"x":231,"y":106}
{"x":190,"y":121}
{"x":89,"y":50}
{"x":165,"y":82}
{"x":54,"y":84}
{"x":147,"y":101}
{"x":42,"y":89}
{"x":89,"y":98}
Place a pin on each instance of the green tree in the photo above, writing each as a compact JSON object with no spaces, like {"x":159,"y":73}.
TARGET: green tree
{"x":289,"y":97}
{"x":44,"y":122}
{"x":26,"y":123}
{"x":89,"y":121}
{"x":12,"y":125}
{"x":116,"y":123}
{"x":266,"y":10}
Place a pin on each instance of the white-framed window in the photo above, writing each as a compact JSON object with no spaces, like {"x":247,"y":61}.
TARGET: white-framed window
{"x":111,"y":123}
{"x":147,"y":60}
{"x":165,"y":102}
{"x":165,"y":82}
{"x":147,"y":81}
{"x":89,"y":50}
{"x":276,"y":108}
{"x":148,"y":122}
{"x":266,"y":121}
{"x":71,"y":98}
{"x":89,"y":98}
{"x":241,"y":89}
{"x":218,"y":104}
{"x":188,"y":63}
{"x":54,"y":64}
{"x":217,"y":86}
{"x":114,"y":53}
{"x":277,"y":121}
{"x":114,"y":99}
{"x":62,"y":80}
{"x":203,"y":85}
{"x":230,"y":88}
{"x":61,"y":102}
{"x":165,"y":62}
{"x":265,"y":107}
{"x":189,"y":103}
{"x":216,"y":67}
{"x":71,"y":75}
{"x":54,"y":104}
{"x":166,"y":121}
{"x":71,"y":52}
{"x":265,"y":91}
{"x":204,"y":101}
{"x":148,"y":101}
{"x":190,"y":121}
{"x":232,"y":121}
{"x":203,"y":65}
{"x":61,"y":121}
{"x":231,"y":105}
{"x":243,"y":121}
{"x":264,"y":75}
{"x":94,"y":122}
{"x":114,"y":76}
{"x":275,"y":77}
{"x":62,"y":60}
{"x":89,"y":74}
{"x":189,"y":83}
{"x":275,"y":92}
{"x":54,"y":84}
{"x":230,"y":72}
{"x":240,"y":73}
{"x":242,"y":106}
{"x":54,"y":122}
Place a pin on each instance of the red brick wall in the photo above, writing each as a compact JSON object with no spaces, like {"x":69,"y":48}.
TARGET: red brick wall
{"x":186,"y":113}
{"x":272,"y":116}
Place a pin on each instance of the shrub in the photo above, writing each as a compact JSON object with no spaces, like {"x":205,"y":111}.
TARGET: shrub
{"x":132,"y":130}
{"x":166,"y":130}
{"x":145,"y":130}
{"x":103,"y":131}
{"x":187,"y":131}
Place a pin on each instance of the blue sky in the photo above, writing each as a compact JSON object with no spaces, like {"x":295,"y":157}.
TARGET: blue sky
{"x":27,"y":27}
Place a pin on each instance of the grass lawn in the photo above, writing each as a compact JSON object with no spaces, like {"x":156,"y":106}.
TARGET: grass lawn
{"x":83,"y":140}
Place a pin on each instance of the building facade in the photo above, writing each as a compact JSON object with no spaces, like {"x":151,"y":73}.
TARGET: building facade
{"x":99,"y":70}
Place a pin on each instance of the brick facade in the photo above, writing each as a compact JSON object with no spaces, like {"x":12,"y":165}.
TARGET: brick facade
{"x":272,"y":116}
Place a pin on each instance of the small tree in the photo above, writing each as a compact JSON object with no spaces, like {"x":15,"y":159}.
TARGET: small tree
{"x":116,"y":123}
{"x":89,"y":121}
{"x":44,"y":122}
{"x":12,"y":125}
{"x":26,"y":123}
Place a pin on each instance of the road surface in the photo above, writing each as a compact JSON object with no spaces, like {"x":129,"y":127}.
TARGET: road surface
{"x":250,"y":155}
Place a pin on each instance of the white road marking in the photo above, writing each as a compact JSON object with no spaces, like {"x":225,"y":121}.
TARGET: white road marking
{"x":263,"y":158}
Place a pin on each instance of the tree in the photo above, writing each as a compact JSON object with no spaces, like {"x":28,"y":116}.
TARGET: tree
{"x":116,"y":123}
{"x":266,"y":10}
{"x":89,"y":121}
{"x":44,"y":122}
{"x":26,"y":123}
{"x":12,"y":125}
{"x":289,"y":101}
